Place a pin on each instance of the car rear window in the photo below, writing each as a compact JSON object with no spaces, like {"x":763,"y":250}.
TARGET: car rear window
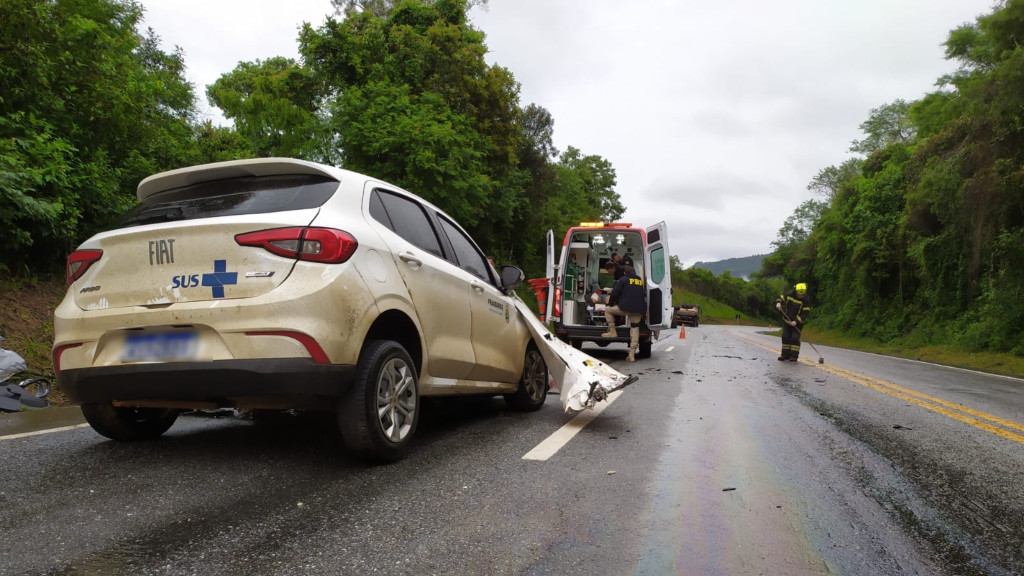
{"x":251,"y":195}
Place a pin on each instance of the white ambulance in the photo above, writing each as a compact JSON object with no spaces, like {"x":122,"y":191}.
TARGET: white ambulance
{"x":579,"y":282}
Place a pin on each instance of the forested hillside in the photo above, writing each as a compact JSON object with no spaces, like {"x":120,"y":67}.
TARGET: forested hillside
{"x":90,"y":105}
{"x":741,"y":267}
{"x":755,"y":297}
{"x":920,"y":236}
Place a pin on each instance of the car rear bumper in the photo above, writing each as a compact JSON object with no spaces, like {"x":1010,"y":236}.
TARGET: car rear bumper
{"x":262,"y":383}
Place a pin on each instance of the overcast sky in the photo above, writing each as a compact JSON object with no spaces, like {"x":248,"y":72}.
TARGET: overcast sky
{"x":715,"y":115}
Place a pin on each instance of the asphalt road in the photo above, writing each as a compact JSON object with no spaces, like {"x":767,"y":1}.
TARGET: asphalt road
{"x":719,"y":460}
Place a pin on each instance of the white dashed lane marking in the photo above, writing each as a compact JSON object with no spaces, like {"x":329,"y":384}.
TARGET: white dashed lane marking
{"x":552,"y":444}
{"x":38,"y":432}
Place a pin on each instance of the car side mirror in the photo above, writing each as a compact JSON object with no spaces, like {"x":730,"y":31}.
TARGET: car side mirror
{"x":511,"y":277}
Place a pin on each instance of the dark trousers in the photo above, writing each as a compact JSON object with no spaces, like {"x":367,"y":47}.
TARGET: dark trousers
{"x":790,"y":341}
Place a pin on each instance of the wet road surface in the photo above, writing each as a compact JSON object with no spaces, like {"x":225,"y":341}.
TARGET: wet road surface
{"x":720,"y":460}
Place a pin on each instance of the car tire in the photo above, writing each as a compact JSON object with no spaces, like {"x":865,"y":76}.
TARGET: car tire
{"x":533,"y":384}
{"x":128,"y":424}
{"x":645,"y":349}
{"x":577,"y":344}
{"x":378,"y":416}
{"x":696,"y":323}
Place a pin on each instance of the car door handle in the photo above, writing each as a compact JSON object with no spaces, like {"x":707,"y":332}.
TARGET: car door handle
{"x":410,"y":258}
{"x":478,"y":287}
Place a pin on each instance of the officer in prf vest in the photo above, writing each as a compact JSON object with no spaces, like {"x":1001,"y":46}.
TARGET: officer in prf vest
{"x":629,"y":299}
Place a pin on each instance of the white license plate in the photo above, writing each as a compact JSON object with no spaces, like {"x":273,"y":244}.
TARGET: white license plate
{"x":160,"y":346}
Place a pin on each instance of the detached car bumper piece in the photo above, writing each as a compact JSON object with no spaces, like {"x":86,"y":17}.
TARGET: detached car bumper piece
{"x":582,"y":380}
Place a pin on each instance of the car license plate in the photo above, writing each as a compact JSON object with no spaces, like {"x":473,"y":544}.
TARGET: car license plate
{"x":160,"y":346}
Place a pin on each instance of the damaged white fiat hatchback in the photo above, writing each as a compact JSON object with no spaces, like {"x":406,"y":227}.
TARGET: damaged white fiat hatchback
{"x":275,"y":284}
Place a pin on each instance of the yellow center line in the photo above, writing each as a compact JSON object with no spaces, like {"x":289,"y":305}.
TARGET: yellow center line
{"x":995,"y":419}
{"x":958,"y":411}
{"x":852,"y":376}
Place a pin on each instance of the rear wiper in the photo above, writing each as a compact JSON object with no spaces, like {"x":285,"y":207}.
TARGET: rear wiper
{"x":158,"y":215}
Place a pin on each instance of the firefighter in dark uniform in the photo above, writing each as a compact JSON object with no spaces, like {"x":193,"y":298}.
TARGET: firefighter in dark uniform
{"x":629,"y":299}
{"x":794,"y":306}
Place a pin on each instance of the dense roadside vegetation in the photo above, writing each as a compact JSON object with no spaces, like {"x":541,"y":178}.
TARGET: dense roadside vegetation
{"x":918,"y":240}
{"x":914,"y":246}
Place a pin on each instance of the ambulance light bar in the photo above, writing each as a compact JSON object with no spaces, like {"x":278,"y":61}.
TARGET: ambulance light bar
{"x":608,"y":225}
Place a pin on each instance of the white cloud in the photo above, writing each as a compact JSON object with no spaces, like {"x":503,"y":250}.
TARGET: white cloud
{"x":216,"y":36}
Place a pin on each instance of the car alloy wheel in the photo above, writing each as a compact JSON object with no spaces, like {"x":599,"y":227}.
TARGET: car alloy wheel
{"x":535,"y":376}
{"x":533,"y":385}
{"x":396,"y":399}
{"x":378,"y":415}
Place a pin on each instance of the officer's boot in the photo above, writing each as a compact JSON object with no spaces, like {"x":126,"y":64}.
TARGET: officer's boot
{"x":634,"y":342}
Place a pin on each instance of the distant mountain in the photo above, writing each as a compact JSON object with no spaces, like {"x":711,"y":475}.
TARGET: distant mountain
{"x":740,"y":267}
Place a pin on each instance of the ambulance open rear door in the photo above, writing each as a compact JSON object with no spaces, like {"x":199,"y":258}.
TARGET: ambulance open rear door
{"x":659,"y":279}
{"x":551,"y":275}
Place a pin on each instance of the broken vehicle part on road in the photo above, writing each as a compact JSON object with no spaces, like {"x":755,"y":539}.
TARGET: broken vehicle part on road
{"x":29,"y":393}
{"x":582,"y":380}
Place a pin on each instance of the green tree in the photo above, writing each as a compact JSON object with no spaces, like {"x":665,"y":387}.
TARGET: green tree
{"x":828,"y":180}
{"x":797,"y":227}
{"x":274,"y":105}
{"x":379,"y":8}
{"x":519,"y":234}
{"x":220,"y":143}
{"x":888,"y":124}
{"x":413,"y":101}
{"x":410,"y":99}
{"x":89,"y":106}
{"x":596,"y":184}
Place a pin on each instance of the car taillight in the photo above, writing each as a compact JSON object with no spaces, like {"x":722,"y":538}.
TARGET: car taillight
{"x":312,"y":244}
{"x":78,"y":262}
{"x":558,"y":303}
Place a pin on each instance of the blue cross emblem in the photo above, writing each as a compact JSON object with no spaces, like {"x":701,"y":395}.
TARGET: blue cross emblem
{"x":220,"y":278}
